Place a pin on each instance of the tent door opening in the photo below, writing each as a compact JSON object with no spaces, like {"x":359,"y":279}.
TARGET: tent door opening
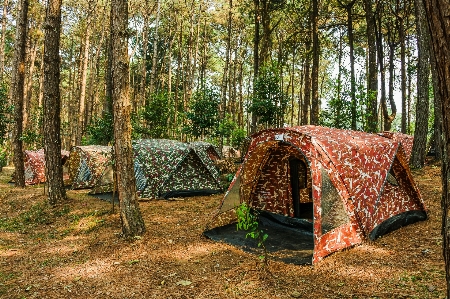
{"x":299,"y":174}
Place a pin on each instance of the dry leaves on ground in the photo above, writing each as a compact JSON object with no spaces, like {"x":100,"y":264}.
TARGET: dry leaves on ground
{"x":75,"y":251}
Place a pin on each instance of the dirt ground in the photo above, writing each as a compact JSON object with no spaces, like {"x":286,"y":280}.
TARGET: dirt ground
{"x":75,"y":251}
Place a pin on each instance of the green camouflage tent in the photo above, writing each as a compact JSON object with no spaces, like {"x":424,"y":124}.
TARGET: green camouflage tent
{"x":168,"y":168}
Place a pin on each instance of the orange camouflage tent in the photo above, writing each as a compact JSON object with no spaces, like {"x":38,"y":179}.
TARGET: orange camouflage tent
{"x":349,"y":186}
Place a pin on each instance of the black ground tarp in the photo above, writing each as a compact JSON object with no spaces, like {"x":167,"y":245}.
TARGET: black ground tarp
{"x":289,"y":239}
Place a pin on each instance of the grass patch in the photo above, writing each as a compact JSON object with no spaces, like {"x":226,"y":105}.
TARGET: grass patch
{"x":38,"y":214}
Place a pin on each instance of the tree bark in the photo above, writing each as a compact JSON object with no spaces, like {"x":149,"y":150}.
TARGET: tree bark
{"x":132,"y":222}
{"x":423,"y":73}
{"x":17,"y":92}
{"x":52,"y":103}
{"x":437,"y":12}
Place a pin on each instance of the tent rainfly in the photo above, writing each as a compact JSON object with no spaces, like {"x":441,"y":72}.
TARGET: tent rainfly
{"x":350,"y":186}
{"x":406,"y":140}
{"x":91,"y":167}
{"x":35,"y":166}
{"x":168,"y":168}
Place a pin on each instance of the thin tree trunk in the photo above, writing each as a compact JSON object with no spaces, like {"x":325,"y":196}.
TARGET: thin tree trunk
{"x":372,"y":80}
{"x":354,"y":103}
{"x":52,"y":102}
{"x":402,"y":37}
{"x":423,"y":73}
{"x":307,"y":87}
{"x":132,"y":221}
{"x":17,"y":92}
{"x":315,"y":104}
{"x":300,"y":94}
{"x":388,"y":121}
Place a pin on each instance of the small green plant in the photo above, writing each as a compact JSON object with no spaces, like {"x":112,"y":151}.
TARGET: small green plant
{"x":248,"y":221}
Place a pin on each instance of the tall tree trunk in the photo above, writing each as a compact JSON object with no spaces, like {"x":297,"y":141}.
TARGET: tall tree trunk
{"x":2,"y":38}
{"x":130,"y":214}
{"x":439,"y":24}
{"x":315,"y":104}
{"x":372,"y":80}
{"x":423,"y":73}
{"x":353,"y":105}
{"x":17,"y":92}
{"x":300,"y":93}
{"x":52,"y":103}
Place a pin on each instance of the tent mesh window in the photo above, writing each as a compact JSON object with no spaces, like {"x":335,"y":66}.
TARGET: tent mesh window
{"x":84,"y":173}
{"x":333,"y":211}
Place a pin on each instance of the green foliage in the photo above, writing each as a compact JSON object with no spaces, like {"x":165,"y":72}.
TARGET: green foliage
{"x":156,"y":115}
{"x":269,"y":103}
{"x":237,"y":137}
{"x":32,"y":138}
{"x":100,"y":131}
{"x":32,"y":135}
{"x":226,"y":127}
{"x":203,"y":114}
{"x":248,"y":221}
{"x":338,"y":112}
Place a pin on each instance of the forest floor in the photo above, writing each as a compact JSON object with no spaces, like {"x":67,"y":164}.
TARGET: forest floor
{"x":75,"y":250}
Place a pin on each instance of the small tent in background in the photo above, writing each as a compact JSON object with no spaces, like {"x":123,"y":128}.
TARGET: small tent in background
{"x":168,"y":168}
{"x":91,"y":167}
{"x":406,"y":140}
{"x":35,"y":166}
{"x":335,"y":182}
